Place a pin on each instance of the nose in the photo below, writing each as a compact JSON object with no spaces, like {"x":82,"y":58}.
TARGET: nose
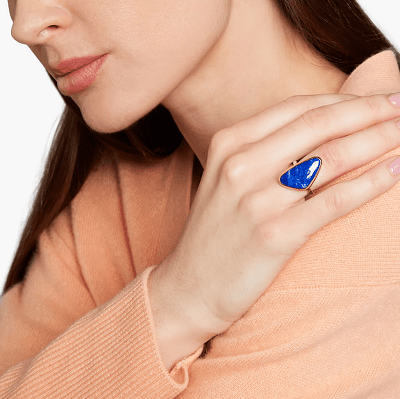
{"x":36,"y":22}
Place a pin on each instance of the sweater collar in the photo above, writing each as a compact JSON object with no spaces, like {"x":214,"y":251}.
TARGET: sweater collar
{"x":379,"y":74}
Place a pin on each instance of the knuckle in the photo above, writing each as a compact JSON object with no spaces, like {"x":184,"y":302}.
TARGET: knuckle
{"x":331,"y":155}
{"x":375,"y":104}
{"x":233,"y":168}
{"x":218,"y":144}
{"x":377,"y":183}
{"x":297,"y":100}
{"x":335,"y":202}
{"x":267,"y":235}
{"x":317,"y":118}
{"x":272,"y":238}
{"x":385,"y":133}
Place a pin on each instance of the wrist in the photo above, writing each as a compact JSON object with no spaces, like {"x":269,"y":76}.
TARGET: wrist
{"x":176,"y":337}
{"x":200,"y":323}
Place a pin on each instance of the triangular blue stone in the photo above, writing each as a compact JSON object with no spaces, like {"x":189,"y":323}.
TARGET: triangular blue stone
{"x":301,"y":175}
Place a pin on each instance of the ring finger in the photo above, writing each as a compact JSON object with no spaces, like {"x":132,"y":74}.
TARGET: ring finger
{"x":343,"y":155}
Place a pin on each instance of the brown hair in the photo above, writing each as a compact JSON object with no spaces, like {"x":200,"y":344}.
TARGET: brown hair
{"x":337,"y":29}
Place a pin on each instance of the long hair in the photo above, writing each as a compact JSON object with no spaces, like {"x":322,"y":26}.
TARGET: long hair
{"x":339,"y":30}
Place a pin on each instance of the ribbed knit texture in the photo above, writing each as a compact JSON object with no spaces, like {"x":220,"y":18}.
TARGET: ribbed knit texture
{"x":80,"y":324}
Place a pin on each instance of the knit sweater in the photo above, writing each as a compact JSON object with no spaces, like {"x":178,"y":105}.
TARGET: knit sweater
{"x":80,"y":324}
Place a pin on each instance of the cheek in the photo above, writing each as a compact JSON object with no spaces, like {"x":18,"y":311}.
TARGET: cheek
{"x":179,"y":31}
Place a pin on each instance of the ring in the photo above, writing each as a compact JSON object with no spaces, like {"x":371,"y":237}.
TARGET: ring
{"x":301,"y":175}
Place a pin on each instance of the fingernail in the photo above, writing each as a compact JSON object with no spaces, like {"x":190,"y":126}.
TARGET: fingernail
{"x":394,"y":167}
{"x":395,"y":99}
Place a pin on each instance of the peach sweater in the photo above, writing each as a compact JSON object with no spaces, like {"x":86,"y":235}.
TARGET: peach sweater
{"x":80,"y":325}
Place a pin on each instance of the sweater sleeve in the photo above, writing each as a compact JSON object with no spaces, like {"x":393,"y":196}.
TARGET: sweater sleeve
{"x":55,"y":342}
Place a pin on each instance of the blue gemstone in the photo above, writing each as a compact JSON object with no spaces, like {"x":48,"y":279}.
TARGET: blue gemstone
{"x":302,"y":175}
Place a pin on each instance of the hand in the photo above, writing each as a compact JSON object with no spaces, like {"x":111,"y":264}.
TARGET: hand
{"x":244,"y":227}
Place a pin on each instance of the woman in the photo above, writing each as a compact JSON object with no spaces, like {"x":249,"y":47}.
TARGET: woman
{"x":131,"y":262}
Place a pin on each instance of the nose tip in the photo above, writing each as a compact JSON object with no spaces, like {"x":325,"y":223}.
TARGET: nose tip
{"x":34,"y":27}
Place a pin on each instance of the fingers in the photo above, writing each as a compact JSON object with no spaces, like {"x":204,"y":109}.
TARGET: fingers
{"x":258,"y":126}
{"x":343,"y":155}
{"x":251,"y":169}
{"x":228,"y":141}
{"x":339,"y":200}
{"x":323,"y":124}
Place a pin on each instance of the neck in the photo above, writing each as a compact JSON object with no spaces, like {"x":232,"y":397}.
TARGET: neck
{"x":252,"y":66}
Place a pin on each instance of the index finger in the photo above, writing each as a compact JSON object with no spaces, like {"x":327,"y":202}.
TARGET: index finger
{"x":260,"y":125}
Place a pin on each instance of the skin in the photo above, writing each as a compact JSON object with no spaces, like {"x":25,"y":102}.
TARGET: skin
{"x":202,"y":59}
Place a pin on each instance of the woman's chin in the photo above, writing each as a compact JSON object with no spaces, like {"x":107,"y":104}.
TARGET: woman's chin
{"x":100,"y":126}
{"x":111,"y":114}
{"x":108,"y":122}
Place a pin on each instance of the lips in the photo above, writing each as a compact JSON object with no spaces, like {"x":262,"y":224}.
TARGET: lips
{"x":78,"y":80}
{"x":72,"y":64}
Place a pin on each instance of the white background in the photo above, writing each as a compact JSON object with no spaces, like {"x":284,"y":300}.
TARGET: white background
{"x":31,"y":107}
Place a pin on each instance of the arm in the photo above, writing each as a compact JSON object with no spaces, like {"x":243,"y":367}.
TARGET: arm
{"x":181,"y":330}
{"x":55,"y":342}
{"x":328,"y":326}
